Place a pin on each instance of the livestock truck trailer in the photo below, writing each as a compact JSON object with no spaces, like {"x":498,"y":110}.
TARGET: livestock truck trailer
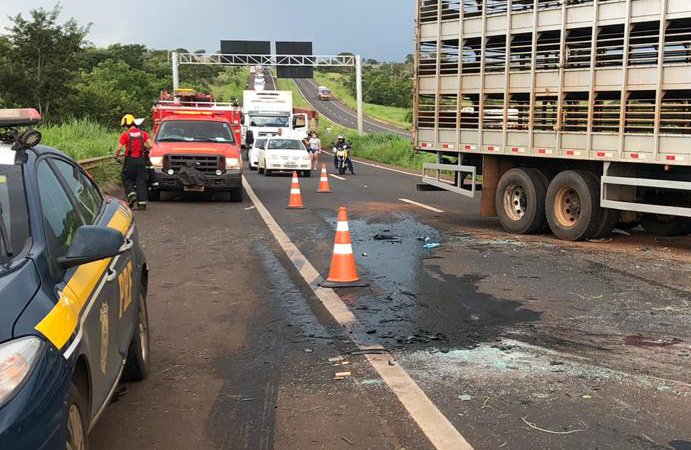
{"x":577,"y":113}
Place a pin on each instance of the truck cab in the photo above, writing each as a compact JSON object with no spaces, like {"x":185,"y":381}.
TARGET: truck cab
{"x":268,"y":111}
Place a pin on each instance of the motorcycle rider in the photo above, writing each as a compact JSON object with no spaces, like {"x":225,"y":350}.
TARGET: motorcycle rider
{"x":342,"y":143}
{"x":134,"y":176}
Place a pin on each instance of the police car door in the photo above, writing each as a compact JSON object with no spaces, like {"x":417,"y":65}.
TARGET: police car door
{"x":94,"y":285}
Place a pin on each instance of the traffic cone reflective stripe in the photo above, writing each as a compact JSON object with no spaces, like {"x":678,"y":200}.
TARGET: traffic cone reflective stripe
{"x":295,"y":201}
{"x":343,"y":269}
{"x":324,"y":187}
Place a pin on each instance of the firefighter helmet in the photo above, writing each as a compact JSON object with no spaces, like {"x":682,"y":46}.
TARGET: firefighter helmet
{"x":127,"y":120}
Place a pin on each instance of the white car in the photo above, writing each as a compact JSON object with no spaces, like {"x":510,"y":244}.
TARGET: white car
{"x":253,"y":153}
{"x":284,"y":154}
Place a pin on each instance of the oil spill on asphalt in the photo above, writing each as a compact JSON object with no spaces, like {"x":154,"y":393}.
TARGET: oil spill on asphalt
{"x":413,"y":304}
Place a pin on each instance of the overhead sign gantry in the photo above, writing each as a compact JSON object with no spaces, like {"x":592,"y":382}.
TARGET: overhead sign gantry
{"x":222,"y":59}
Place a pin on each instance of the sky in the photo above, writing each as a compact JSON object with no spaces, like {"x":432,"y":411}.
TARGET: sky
{"x":379,"y":29}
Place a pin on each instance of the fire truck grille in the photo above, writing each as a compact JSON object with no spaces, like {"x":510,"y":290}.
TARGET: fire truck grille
{"x":203,"y":163}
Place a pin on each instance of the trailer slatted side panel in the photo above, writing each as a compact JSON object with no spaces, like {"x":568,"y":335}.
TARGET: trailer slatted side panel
{"x":603,"y":80}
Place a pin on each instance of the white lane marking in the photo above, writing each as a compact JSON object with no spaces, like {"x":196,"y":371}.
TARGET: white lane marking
{"x":337,"y":177}
{"x":359,"y":161}
{"x":421,"y":205}
{"x":438,"y":429}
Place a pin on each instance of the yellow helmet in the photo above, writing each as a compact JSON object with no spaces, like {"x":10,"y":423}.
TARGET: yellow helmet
{"x":127,"y":120}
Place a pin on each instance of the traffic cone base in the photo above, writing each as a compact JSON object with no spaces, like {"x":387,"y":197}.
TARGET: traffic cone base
{"x":324,"y":187}
{"x":343,"y":272}
{"x":295,"y":201}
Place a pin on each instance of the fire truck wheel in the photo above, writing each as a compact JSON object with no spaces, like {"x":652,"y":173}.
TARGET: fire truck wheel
{"x":662,"y":225}
{"x":520,"y":201}
{"x":237,"y":195}
{"x":573,"y":205}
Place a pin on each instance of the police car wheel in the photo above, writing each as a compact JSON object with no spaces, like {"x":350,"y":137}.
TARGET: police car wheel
{"x":76,"y":438}
{"x":137,"y":365}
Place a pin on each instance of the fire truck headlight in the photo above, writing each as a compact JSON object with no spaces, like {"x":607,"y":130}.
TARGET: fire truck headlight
{"x":156,"y":162}
{"x":232,"y":163}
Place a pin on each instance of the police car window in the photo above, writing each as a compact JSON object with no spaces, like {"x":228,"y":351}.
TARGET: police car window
{"x":61,"y":217}
{"x":14,"y":230}
{"x":88,"y":198}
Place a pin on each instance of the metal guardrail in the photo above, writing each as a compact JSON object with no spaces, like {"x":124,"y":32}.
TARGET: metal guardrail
{"x":92,"y":163}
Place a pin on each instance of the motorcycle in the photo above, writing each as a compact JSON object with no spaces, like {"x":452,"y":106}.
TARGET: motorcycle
{"x":342,"y":156}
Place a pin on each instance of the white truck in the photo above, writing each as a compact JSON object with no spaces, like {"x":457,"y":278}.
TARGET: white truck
{"x":264,"y":112}
{"x":577,"y":113}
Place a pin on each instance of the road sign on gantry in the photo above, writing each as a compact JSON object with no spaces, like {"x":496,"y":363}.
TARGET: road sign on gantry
{"x":245,"y":48}
{"x":294,"y":48}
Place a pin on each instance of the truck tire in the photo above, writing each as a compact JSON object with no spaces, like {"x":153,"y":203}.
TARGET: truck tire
{"x":237,"y":195}
{"x":520,"y":201}
{"x":137,"y":363}
{"x":545,"y":177}
{"x":609,"y":221}
{"x":662,"y":225}
{"x":573,"y":205}
{"x":76,"y":436}
{"x":306,"y":173}
{"x":267,"y":173}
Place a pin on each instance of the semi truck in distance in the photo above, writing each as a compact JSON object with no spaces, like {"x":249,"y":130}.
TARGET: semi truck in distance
{"x":577,"y":113}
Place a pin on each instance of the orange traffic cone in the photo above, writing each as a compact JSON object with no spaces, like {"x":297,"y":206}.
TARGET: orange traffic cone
{"x":324,"y":187}
{"x":295,"y":196}
{"x":343,"y":271}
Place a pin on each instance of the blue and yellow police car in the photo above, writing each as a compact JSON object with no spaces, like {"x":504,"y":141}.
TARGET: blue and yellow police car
{"x":73,"y":280}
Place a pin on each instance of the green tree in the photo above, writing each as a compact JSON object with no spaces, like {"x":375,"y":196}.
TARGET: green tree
{"x":39,"y":60}
{"x":113,"y":89}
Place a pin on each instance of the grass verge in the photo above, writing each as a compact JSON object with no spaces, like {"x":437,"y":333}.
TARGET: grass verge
{"x":298,"y":100}
{"x":380,"y":147}
{"x":230,"y":83}
{"x":388,"y":114}
{"x":81,"y":138}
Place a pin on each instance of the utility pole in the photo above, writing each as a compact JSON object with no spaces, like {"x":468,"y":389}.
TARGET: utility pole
{"x":358,"y":82}
{"x":176,"y":74}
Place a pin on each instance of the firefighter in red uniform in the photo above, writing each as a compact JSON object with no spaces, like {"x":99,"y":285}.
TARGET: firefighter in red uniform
{"x":134,"y":176}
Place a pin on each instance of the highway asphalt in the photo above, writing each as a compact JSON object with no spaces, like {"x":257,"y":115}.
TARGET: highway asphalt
{"x":339,"y":113}
{"x":520,"y":342}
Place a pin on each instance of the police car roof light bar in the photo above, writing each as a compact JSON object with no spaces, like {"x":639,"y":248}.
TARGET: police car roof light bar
{"x":18,"y":117}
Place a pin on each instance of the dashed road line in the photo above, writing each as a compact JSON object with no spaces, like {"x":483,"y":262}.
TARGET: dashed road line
{"x":337,"y":177}
{"x":438,"y":429}
{"x":421,"y":205}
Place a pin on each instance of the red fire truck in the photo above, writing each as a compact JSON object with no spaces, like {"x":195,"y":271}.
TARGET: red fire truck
{"x":196,"y":145}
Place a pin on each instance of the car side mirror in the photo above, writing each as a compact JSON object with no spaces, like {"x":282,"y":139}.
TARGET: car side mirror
{"x":93,"y":243}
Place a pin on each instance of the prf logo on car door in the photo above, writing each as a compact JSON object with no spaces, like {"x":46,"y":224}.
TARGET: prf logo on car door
{"x":125,"y":280}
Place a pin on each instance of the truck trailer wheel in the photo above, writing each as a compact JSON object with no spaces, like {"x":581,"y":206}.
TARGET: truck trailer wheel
{"x":520,"y":200}
{"x":573,"y":205}
{"x":662,"y":225}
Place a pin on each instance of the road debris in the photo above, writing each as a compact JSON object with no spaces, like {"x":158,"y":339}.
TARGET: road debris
{"x":341,"y":375}
{"x":465,"y":398}
{"x":347,"y":440}
{"x":535,"y":427}
{"x":250,"y":208}
{"x":431,"y":245}
{"x":336,"y":359}
{"x":308,"y":350}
